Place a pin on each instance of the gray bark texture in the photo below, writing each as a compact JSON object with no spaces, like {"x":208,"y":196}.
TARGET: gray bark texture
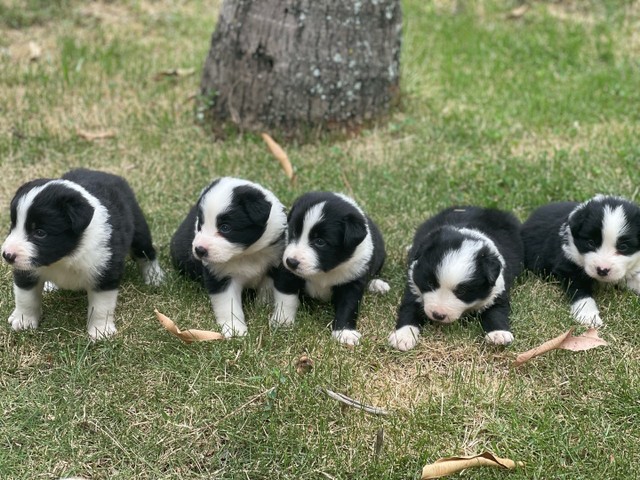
{"x":294,"y":65}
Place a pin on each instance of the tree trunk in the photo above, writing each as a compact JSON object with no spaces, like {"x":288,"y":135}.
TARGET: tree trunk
{"x":295,"y":65}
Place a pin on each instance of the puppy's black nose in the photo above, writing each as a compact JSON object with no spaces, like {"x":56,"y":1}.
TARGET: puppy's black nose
{"x":603,"y":272}
{"x":292,"y":263}
{"x":201,"y":252}
{"x":9,"y":257}
{"x":438,"y":316}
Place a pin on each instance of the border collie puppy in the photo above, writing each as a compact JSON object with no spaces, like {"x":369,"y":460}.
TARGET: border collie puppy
{"x":76,"y":233}
{"x":231,"y":239}
{"x":332,"y":250}
{"x":582,"y":244}
{"x":464,"y":259}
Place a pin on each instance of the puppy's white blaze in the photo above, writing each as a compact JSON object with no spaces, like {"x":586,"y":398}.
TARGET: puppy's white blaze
{"x":614,"y":225}
{"x":285,"y":309}
{"x":100,"y":316}
{"x":347,"y":336}
{"x":457,"y":265}
{"x":405,"y":338}
{"x":28,"y":308}
{"x":227,"y":308}
{"x":17,"y":242}
{"x":585,"y":311}
{"x":499,"y":337}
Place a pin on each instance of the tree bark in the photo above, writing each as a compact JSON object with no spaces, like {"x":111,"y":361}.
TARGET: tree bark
{"x":295,"y":65}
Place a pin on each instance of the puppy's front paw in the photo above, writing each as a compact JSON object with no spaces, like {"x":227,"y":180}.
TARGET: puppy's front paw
{"x":499,"y":337}
{"x":152,"y":273}
{"x":404,"y":338}
{"x":379,"y":286}
{"x":347,"y":337}
{"x":22,"y":321}
{"x":585,"y":311}
{"x":279,"y":319}
{"x":49,"y":287}
{"x":235,"y":328}
{"x":101,"y":330}
{"x":633,"y":283}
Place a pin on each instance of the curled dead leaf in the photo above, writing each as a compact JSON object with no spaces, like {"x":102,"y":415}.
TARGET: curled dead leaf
{"x":518,"y":11}
{"x":447,"y":466}
{"x":187,"y":336}
{"x":304,"y":365}
{"x":175,"y":72}
{"x":280,"y":155}
{"x":35,"y":51}
{"x":566,"y":341}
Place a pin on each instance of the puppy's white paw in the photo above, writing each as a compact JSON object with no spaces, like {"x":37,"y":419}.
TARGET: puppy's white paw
{"x":585,"y":311}
{"x":499,"y":337}
{"x":279,"y":319}
{"x":49,"y":287}
{"x":101,"y":330}
{"x":152,"y":273}
{"x":22,"y":321}
{"x":235,"y":328}
{"x":347,"y":337}
{"x":379,"y":286}
{"x":404,"y":338}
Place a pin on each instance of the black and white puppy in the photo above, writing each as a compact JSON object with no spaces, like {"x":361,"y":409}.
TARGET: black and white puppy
{"x":231,"y":239}
{"x":332,"y":250}
{"x":582,"y":244}
{"x":76,"y":233}
{"x":464,"y":259}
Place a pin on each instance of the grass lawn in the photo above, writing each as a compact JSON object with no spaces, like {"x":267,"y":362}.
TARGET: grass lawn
{"x":499,"y":112}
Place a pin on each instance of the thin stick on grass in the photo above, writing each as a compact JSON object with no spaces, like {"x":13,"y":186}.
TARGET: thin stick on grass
{"x":354,"y":403}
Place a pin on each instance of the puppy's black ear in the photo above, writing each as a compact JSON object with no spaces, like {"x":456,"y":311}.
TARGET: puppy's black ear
{"x":577,"y":219}
{"x":78,"y":210}
{"x":491,"y":266}
{"x":254,"y":203}
{"x":355,"y":230}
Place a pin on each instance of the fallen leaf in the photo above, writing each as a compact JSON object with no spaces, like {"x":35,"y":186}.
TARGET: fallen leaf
{"x":354,"y":403}
{"x":92,"y":136}
{"x":304,"y":365}
{"x":447,"y":466}
{"x":566,"y":341}
{"x":280,"y":155}
{"x":35,"y":51}
{"x":187,"y":336}
{"x":518,"y":11}
{"x":175,"y":72}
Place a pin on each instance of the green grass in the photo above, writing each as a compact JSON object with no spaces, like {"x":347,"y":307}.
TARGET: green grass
{"x":496,"y":112}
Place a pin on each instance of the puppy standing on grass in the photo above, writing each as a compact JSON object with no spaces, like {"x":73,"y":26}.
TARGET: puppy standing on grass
{"x":583,"y":244}
{"x":464,"y":259}
{"x":231,"y":239}
{"x":332,"y":250}
{"x":76,"y":233}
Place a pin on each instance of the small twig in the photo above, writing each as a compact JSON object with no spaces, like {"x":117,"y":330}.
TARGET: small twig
{"x":247,"y":403}
{"x":354,"y":403}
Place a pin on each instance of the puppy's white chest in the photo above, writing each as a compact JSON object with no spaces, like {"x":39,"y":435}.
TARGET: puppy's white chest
{"x":318,"y":290}
{"x":68,"y":276}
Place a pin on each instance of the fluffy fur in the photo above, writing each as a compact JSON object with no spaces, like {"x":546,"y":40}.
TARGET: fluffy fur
{"x":332,"y":249}
{"x":76,"y":232}
{"x":231,"y":239}
{"x":464,"y":259}
{"x":583,"y":244}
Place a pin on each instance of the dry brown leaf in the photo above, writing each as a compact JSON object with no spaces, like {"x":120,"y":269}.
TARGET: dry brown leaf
{"x":92,"y":136}
{"x":447,"y":466}
{"x":175,"y":72}
{"x":280,"y":155}
{"x":187,"y":336}
{"x":518,"y":11}
{"x":35,"y":51}
{"x":304,"y":365}
{"x":566,"y":341}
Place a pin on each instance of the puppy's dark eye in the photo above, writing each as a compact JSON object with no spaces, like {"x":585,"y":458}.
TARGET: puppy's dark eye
{"x":319,"y":242}
{"x":39,"y":233}
{"x":224,"y":228}
{"x":623,"y":248}
{"x":591,"y":244}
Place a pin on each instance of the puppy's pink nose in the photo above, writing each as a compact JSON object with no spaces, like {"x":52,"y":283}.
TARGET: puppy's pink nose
{"x":603,"y":272}
{"x":438,"y":316}
{"x":9,"y":257}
